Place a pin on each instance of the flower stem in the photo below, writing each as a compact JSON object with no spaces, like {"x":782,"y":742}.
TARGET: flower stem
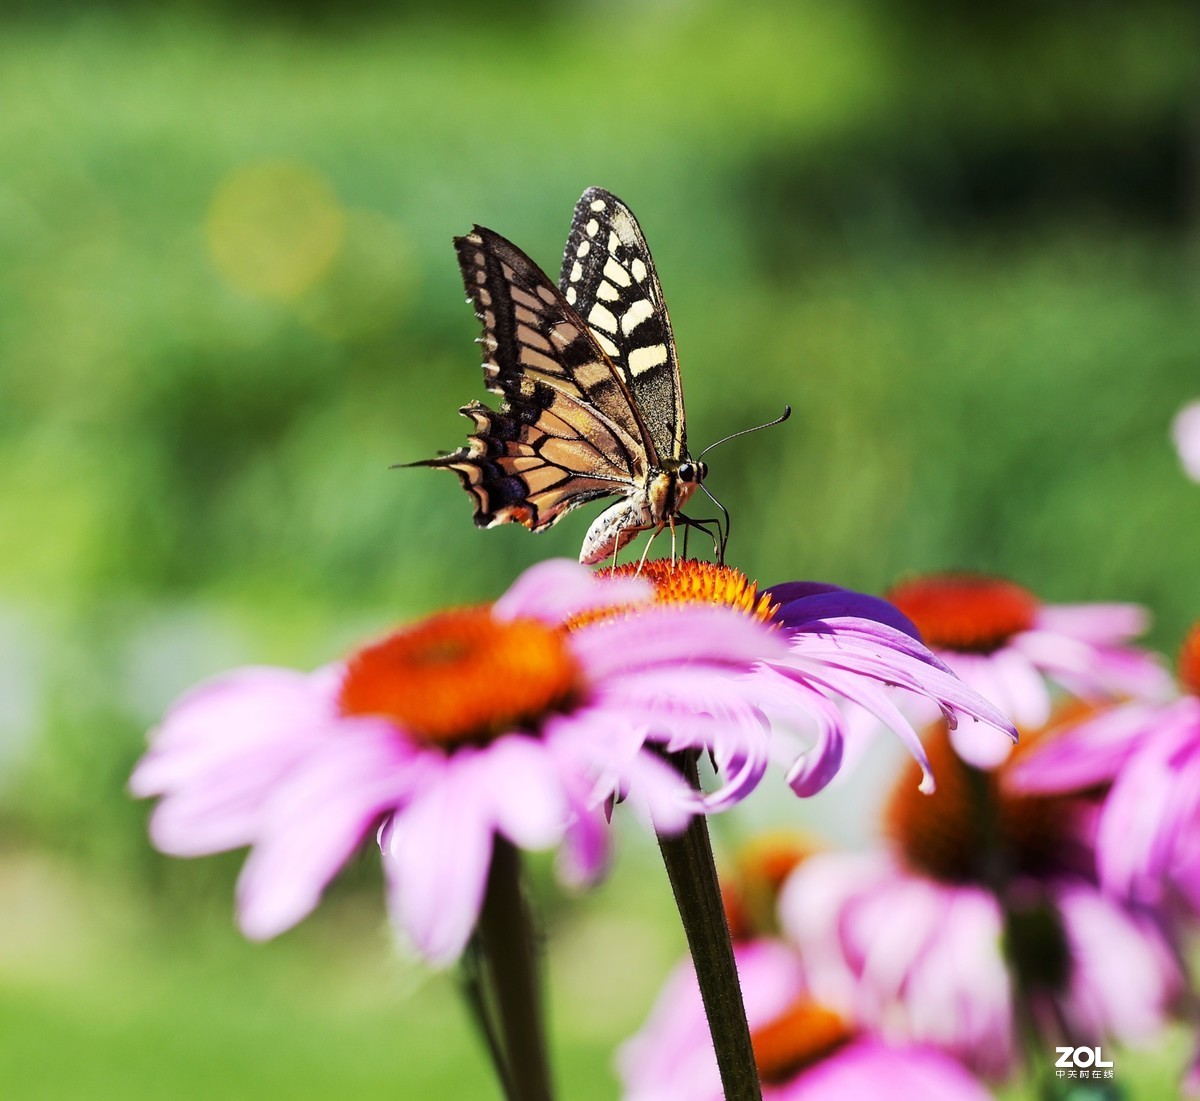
{"x":509,"y":957}
{"x":471,"y":980}
{"x":693,"y":874}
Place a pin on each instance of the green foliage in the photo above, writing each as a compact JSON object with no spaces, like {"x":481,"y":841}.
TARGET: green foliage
{"x":959,"y":244}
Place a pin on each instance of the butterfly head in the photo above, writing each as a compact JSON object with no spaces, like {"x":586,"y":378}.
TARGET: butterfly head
{"x":692,"y":473}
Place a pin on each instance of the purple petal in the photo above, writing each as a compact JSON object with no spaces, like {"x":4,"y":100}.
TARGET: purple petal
{"x":743,"y":762}
{"x":865,"y":634}
{"x":317,"y":820}
{"x":855,"y":1073}
{"x":1099,"y":624}
{"x":1095,"y":671}
{"x":877,"y":651}
{"x":659,"y":794}
{"x":1018,"y":689}
{"x":437,"y":859}
{"x":224,"y":748}
{"x":1124,"y":977}
{"x":226,"y":716}
{"x":981,"y":745}
{"x":1152,"y":808}
{"x":1087,"y":753}
{"x":669,"y":635}
{"x":869,"y":697}
{"x":671,"y":1057}
{"x":583,"y":858}
{"x":815,"y":768}
{"x":525,"y":791}
{"x":803,"y":602}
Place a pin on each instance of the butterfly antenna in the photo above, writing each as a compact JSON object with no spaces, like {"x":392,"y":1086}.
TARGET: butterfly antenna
{"x":787,"y":412}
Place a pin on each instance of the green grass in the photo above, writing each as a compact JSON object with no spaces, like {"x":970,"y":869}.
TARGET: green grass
{"x":102,"y":999}
{"x":197,"y":477}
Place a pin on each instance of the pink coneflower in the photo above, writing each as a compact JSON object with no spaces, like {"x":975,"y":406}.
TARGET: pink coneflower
{"x":982,"y":914}
{"x":1148,"y":832}
{"x":1018,"y":652}
{"x":805,"y":1051}
{"x":842,"y":647}
{"x":1185,"y":431}
{"x":475,"y":724}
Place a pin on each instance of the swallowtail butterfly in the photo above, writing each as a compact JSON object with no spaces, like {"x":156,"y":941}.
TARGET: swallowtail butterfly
{"x":589,"y":380}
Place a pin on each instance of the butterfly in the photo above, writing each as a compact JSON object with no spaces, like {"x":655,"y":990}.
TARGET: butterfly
{"x":589,"y":380}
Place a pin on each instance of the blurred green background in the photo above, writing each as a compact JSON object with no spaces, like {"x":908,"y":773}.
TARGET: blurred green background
{"x":960,"y":239}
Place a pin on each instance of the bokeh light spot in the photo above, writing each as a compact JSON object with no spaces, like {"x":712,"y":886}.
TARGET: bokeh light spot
{"x":274,"y":228}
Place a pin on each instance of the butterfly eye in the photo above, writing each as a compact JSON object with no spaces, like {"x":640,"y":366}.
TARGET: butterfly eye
{"x":701,"y":471}
{"x":687,"y":472}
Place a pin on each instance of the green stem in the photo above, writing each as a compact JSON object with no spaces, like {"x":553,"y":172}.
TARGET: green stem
{"x":471,"y":972}
{"x":509,"y":956}
{"x":693,"y":874}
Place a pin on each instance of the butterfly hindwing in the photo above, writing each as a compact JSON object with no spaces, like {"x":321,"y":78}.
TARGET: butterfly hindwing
{"x":567,"y":431}
{"x":608,"y":276}
{"x":519,"y":470}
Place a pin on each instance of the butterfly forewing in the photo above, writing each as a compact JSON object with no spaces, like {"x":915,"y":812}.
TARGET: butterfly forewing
{"x":567,"y":431}
{"x":589,"y":380}
{"x":608,"y":276}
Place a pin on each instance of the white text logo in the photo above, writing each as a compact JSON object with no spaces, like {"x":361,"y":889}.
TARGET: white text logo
{"x":1081,"y":1057}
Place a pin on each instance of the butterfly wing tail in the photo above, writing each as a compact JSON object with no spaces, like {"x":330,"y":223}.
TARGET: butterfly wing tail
{"x":498,"y":493}
{"x":508,"y":476}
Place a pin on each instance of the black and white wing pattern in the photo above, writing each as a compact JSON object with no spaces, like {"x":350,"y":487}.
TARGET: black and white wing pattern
{"x":567,"y":430}
{"x":608,"y":276}
{"x":591,"y":405}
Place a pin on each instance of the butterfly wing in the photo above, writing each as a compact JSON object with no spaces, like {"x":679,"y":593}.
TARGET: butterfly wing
{"x":608,"y":276}
{"x":567,"y":430}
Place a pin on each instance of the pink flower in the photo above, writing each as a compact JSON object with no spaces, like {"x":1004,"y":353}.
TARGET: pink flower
{"x":472,"y":724}
{"x":842,"y":647}
{"x":984,"y":910}
{"x":1017,"y":651}
{"x":1148,"y":831}
{"x":498,"y":720}
{"x":1185,"y":431}
{"x":805,"y":1051}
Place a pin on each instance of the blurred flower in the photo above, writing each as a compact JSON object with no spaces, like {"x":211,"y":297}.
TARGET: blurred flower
{"x":840,"y":646}
{"x":984,"y":913}
{"x":1185,"y":431}
{"x":750,"y":886}
{"x":473,"y":723}
{"x":805,"y":1051}
{"x":1013,"y":649}
{"x":1148,"y":832}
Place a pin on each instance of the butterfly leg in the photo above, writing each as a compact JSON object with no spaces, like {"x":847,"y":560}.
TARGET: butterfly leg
{"x":724,"y":541}
{"x":711,"y":526}
{"x":649,"y":542}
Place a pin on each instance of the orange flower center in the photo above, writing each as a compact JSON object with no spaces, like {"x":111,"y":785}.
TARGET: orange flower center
{"x":689,"y":581}
{"x":463,"y":677}
{"x":1189,"y":661}
{"x":751,"y":892}
{"x":803,"y":1034}
{"x":971,"y":829}
{"x":964,"y":611}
